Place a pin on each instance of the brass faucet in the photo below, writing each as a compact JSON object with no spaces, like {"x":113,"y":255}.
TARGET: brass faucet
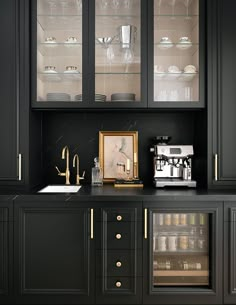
{"x":65,"y":154}
{"x":76,"y":162}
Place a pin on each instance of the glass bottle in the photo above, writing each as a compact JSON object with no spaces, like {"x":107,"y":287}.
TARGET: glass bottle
{"x":97,"y":175}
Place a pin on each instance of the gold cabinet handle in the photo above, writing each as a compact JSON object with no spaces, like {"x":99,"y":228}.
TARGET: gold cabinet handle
{"x":119,"y":218}
{"x":118,"y":284}
{"x":118,"y":236}
{"x":118,"y":264}
{"x":20,"y":167}
{"x":91,"y":223}
{"x":216,"y":167}
{"x":145,"y":224}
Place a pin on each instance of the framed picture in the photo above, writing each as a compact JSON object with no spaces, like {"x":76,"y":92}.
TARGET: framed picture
{"x":118,"y":154}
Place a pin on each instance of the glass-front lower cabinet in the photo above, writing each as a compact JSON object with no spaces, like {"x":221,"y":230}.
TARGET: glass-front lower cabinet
{"x":177,"y":68}
{"x":183,"y":249}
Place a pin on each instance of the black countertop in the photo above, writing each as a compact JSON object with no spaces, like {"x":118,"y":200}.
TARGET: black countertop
{"x":108,"y":192}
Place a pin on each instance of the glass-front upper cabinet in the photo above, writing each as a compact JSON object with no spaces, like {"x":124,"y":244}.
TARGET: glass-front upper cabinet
{"x":178,"y":53}
{"x":118,"y":56}
{"x":59,"y":52}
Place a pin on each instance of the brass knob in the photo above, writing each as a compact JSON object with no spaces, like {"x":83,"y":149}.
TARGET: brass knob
{"x":118,"y":284}
{"x":118,"y":264}
{"x":118,"y":236}
{"x":119,"y":217}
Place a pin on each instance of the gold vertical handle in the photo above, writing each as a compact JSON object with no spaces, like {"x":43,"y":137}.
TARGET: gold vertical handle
{"x":145,"y":224}
{"x":20,"y":167}
{"x":216,"y":167}
{"x":91,"y":223}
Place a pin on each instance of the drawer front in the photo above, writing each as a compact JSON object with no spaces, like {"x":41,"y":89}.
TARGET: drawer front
{"x":112,"y":263}
{"x":119,"y":235}
{"x":120,"y":215}
{"x":119,"y":285}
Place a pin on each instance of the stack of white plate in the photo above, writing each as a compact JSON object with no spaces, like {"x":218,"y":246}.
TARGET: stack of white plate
{"x":61,"y":97}
{"x":100,"y":98}
{"x":123,"y":97}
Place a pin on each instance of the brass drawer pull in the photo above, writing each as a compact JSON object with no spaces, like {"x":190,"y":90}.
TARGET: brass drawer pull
{"x":216,"y":167}
{"x":118,"y":236}
{"x":119,"y":218}
{"x":118,"y":284}
{"x":91,"y":223}
{"x":20,"y":167}
{"x":145,"y":224}
{"x":118,"y":264}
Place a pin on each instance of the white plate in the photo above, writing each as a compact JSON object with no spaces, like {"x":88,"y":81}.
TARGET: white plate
{"x":184,"y":45}
{"x":165,"y":45}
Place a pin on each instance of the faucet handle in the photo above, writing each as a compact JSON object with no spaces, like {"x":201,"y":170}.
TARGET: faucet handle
{"x":59,"y":172}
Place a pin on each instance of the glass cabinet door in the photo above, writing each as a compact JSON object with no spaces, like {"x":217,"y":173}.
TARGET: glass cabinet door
{"x":176,"y":51}
{"x":59,"y":51}
{"x":117,"y":51}
{"x":181,"y":249}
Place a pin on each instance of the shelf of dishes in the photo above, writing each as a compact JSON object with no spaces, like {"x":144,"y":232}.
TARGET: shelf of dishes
{"x":60,"y":97}
{"x":66,"y":97}
{"x":50,"y":74}
{"x":179,"y":243}
{"x":180,"y":219}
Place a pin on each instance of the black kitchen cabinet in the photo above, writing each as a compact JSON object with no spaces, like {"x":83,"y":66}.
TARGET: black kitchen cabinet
{"x":20,"y":165}
{"x":229,"y":253}
{"x":6,"y":253}
{"x":176,"y":54}
{"x":182,"y":253}
{"x":55,"y":253}
{"x":10,"y":153}
{"x":221,"y":93}
{"x":119,"y":253}
{"x":81,"y":56}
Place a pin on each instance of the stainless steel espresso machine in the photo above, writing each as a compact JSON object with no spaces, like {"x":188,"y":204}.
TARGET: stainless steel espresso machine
{"x":172,"y":163}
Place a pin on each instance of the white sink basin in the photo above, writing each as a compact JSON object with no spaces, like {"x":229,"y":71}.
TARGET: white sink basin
{"x":60,"y":189}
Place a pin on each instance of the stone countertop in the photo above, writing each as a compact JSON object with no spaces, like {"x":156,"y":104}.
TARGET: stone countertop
{"x":108,"y":192}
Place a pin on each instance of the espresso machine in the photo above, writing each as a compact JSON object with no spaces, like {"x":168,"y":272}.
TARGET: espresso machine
{"x":172,"y":163}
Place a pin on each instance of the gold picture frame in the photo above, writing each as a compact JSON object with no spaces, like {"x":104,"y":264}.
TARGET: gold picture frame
{"x":115,"y":148}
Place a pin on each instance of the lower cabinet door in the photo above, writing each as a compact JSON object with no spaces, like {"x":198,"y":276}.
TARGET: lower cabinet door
{"x":56,"y":255}
{"x":183,"y":253}
{"x":230,"y":254}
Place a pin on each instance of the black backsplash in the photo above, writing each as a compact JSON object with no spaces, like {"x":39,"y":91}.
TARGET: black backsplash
{"x":80,"y":132}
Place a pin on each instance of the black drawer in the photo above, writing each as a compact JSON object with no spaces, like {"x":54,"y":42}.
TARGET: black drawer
{"x":119,"y":263}
{"x":120,"y":235}
{"x":119,"y":285}
{"x":120,"y":215}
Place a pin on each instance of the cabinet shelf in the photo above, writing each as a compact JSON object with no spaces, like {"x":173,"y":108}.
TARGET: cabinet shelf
{"x":60,"y":77}
{"x":60,"y":49}
{"x":181,"y":252}
{"x":175,"y":51}
{"x":179,"y":77}
{"x":117,"y":73}
{"x":161,"y":273}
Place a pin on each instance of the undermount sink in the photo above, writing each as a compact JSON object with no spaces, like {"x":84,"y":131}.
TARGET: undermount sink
{"x":60,"y":189}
